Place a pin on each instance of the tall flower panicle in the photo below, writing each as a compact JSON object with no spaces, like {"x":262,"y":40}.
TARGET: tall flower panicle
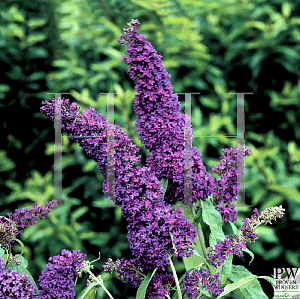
{"x":15,"y":285}
{"x":163,"y":131}
{"x":56,"y":280}
{"x":230,"y":169}
{"x":160,"y":125}
{"x":137,"y":188}
{"x":197,"y":281}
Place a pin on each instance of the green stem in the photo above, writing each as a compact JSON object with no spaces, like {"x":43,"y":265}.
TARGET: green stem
{"x":200,"y":235}
{"x":101,"y":284}
{"x":176,"y":279}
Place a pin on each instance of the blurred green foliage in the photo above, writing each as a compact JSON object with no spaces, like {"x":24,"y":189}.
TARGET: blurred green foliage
{"x":212,"y":47}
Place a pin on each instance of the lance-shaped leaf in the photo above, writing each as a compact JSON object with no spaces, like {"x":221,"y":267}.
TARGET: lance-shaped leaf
{"x":214,"y":220}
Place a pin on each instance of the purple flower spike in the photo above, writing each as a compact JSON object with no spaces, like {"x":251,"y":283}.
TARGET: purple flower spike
{"x":9,"y":228}
{"x":56,"y":280}
{"x":160,"y":125}
{"x":230,"y":169}
{"x":25,"y":217}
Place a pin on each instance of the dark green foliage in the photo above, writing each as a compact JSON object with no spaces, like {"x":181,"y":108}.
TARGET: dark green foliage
{"x":212,"y":47}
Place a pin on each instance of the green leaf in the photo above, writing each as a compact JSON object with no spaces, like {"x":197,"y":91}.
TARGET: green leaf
{"x":164,"y":184}
{"x":34,"y":22}
{"x":283,"y":275}
{"x":267,"y":234}
{"x":244,"y":281}
{"x":141,"y":292}
{"x":225,"y":271}
{"x":79,"y":212}
{"x":214,"y":220}
{"x":250,"y":253}
{"x":15,"y":14}
{"x":22,"y":245}
{"x":187,"y":212}
{"x":34,"y":38}
{"x":35,"y":76}
{"x":89,"y":291}
{"x":24,"y":262}
{"x":241,"y":284}
{"x":286,"y":9}
{"x":21,"y":268}
{"x":4,"y":257}
{"x":204,"y":292}
{"x":269,"y":279}
{"x":4,"y":88}
{"x":239,"y":293}
{"x":193,"y":261}
{"x":234,"y":228}
{"x":2,"y":251}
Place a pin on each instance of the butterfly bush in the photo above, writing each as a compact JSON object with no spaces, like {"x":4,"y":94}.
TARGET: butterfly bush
{"x":156,"y":231}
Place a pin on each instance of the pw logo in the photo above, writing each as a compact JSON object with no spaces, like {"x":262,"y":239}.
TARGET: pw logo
{"x":289,"y":273}
{"x":287,"y":282}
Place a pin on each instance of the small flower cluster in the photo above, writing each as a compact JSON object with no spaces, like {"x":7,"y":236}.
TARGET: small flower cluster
{"x":15,"y":285}
{"x":129,"y":272}
{"x":249,"y":226}
{"x":236,"y":243}
{"x":56,"y":280}
{"x":197,"y":281}
{"x":137,"y":189}
{"x":230,"y":169}
{"x":160,"y":125}
{"x":223,"y":249}
{"x":8,"y":232}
